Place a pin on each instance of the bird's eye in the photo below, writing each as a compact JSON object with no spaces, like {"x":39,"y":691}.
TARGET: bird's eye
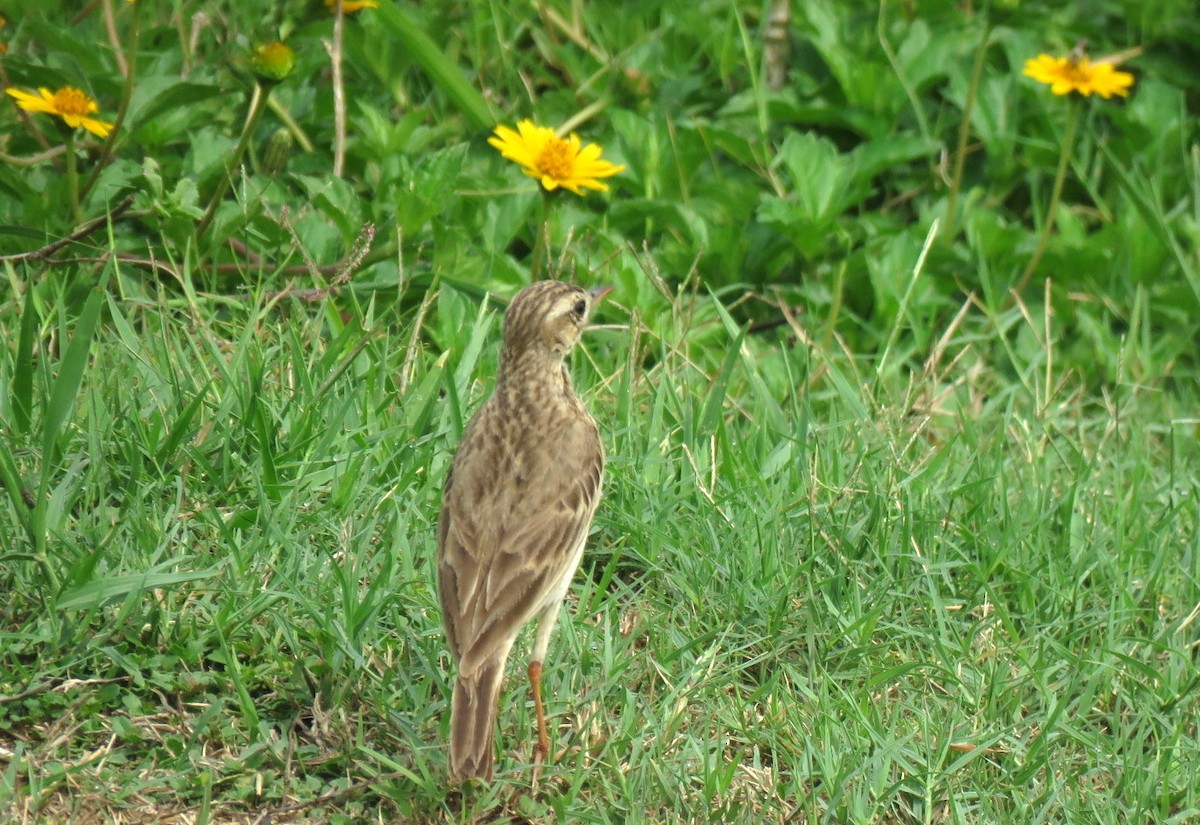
{"x":579,"y":309}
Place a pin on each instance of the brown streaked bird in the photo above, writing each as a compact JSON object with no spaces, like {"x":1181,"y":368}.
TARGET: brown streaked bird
{"x":516,"y":511}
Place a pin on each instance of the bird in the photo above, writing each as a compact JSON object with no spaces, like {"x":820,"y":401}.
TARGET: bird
{"x":516,"y":510}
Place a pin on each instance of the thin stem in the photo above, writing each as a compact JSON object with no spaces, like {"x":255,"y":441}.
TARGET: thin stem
{"x":541,"y":246}
{"x":110,"y":26}
{"x":73,"y":176}
{"x":290,"y":124}
{"x":898,"y":69}
{"x":130,"y":72}
{"x":964,"y":133}
{"x":258,"y":102}
{"x":33,"y":160}
{"x":1064,"y":160}
{"x":339,"y":95}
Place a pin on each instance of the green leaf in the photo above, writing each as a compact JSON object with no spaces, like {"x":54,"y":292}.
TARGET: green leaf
{"x":879,"y":156}
{"x":431,"y":189}
{"x":442,"y":71}
{"x":173,"y":97}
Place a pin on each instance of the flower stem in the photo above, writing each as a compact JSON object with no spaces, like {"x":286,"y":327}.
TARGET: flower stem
{"x":73,"y":177}
{"x":541,"y":246}
{"x":964,"y":133}
{"x":258,"y":102}
{"x":334,"y":48}
{"x":1064,"y":160}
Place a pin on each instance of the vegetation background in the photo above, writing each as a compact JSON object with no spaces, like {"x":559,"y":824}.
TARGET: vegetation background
{"x":901,"y":522}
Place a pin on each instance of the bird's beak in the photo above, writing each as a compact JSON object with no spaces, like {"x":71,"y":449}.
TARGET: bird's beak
{"x":599,"y":292}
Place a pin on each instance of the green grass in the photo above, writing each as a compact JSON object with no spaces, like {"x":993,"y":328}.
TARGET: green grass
{"x":883,"y":539}
{"x":807,"y":593}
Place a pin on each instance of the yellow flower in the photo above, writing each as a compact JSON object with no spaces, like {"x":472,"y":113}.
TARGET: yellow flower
{"x":552,"y":160}
{"x":351,"y":6}
{"x":1078,"y":74}
{"x":69,"y":103}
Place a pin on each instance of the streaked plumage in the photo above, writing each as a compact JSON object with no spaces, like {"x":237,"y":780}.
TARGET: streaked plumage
{"x":516,"y":511}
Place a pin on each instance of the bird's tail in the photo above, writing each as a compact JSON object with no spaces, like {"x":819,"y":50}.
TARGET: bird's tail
{"x":473,"y":721}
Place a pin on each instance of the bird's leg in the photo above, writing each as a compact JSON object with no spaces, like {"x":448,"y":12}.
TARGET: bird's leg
{"x":543,"y":745}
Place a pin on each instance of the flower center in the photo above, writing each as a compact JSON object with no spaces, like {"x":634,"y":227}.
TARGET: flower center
{"x":1078,"y":72}
{"x":557,"y":159}
{"x":71,"y":101}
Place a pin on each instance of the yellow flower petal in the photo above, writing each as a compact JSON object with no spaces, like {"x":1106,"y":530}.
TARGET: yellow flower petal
{"x":351,"y":6}
{"x":97,"y":127}
{"x":32,"y":103}
{"x":553,"y":161}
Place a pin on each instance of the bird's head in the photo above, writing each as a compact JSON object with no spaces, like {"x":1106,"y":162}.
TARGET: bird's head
{"x":548,"y":317}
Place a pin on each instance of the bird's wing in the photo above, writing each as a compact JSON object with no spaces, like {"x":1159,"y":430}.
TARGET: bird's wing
{"x":509,"y":526}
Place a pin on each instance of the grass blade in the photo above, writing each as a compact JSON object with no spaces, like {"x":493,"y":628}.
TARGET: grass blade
{"x":101,"y":591}
{"x":22,"y":383}
{"x":10,"y":477}
{"x":66,"y":386}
